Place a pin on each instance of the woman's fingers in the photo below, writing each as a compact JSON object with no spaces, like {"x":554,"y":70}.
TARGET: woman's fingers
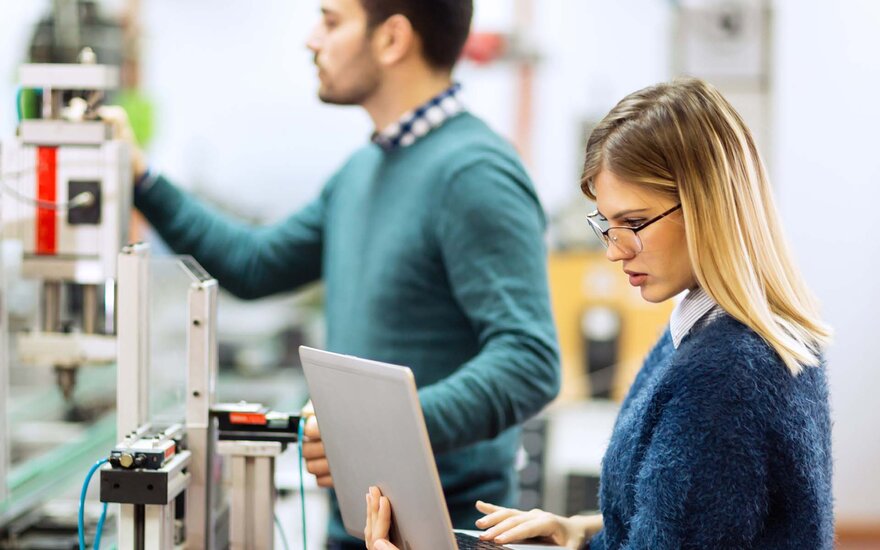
{"x":383,"y":519}
{"x":495,"y":517}
{"x":531,"y":528}
{"x":504,"y":526}
{"x":368,"y":528}
{"x":487,"y":507}
{"x":378,"y":521}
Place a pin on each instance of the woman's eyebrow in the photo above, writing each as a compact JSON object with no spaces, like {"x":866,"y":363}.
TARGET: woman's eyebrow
{"x":622,"y":213}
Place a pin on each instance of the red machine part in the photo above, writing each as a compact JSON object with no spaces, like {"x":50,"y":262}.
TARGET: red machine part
{"x":47,"y":188}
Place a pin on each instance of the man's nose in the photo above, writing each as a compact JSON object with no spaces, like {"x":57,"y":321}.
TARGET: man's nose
{"x":314,"y":41}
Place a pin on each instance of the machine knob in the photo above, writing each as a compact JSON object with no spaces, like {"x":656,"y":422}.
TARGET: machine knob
{"x":126,"y":460}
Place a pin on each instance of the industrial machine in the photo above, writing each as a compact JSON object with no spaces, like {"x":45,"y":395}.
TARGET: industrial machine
{"x":67,"y":199}
{"x":65,"y":203}
{"x":168,"y":480}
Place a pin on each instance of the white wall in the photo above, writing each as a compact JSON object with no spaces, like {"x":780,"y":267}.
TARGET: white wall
{"x":827,"y":170}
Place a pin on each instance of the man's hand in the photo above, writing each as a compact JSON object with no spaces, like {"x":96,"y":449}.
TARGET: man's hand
{"x":313,"y":449}
{"x":118,"y":119}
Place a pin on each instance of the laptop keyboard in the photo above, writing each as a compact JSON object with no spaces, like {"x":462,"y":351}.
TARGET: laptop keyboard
{"x":468,"y":542}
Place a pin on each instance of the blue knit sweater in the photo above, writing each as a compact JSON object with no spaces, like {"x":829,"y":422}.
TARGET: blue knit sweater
{"x":717,"y":445}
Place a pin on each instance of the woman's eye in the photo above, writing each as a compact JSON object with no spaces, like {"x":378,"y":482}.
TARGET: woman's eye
{"x":633,"y":223}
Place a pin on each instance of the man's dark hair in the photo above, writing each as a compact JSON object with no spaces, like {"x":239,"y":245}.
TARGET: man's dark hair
{"x":442,"y":25}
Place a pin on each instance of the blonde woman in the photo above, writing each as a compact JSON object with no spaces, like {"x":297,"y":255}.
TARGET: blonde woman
{"x":724,"y":438}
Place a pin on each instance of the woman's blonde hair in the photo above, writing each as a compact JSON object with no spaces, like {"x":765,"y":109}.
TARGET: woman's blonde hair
{"x":684,"y":139}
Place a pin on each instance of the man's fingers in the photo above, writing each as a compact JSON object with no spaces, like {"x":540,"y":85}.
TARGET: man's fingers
{"x":311,"y":430}
{"x":325,"y":482}
{"x":308,"y":409}
{"x":313,"y":449}
{"x":318,"y":467}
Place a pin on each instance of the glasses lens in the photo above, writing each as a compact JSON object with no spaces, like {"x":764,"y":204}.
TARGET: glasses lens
{"x":598,"y":231}
{"x":625,"y":239}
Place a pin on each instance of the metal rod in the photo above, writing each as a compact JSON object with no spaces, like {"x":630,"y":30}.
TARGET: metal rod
{"x":140,"y":518}
{"x":90,"y":309}
{"x":51,"y":306}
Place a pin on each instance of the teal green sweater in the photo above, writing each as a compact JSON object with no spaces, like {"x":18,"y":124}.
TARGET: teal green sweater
{"x":432,"y":257}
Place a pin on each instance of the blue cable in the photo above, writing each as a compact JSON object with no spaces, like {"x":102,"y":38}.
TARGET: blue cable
{"x":302,"y":492}
{"x":82,"y":504}
{"x":100,"y":528}
{"x":18,"y":107}
{"x":281,"y":531}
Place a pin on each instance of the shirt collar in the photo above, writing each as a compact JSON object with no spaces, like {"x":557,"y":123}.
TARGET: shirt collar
{"x":418,"y":122}
{"x":697,"y":306}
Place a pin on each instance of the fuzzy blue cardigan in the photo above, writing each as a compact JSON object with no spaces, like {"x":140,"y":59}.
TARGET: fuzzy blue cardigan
{"x":717,"y":445}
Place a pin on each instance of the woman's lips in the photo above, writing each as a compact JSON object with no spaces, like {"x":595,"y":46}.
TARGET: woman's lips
{"x":637,"y":279}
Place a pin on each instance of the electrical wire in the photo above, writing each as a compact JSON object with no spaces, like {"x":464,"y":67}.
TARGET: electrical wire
{"x":18,"y":108}
{"x":281,"y":532}
{"x":302,"y":492}
{"x":82,"y":505}
{"x":99,"y":530}
{"x":82,"y":199}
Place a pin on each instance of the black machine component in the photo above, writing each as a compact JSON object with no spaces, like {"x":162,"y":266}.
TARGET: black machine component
{"x":253,"y":422}
{"x":135,"y":486}
{"x":149,"y":452}
{"x":87,"y":214}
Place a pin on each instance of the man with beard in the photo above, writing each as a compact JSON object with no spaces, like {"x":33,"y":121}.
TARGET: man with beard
{"x":428,"y":239}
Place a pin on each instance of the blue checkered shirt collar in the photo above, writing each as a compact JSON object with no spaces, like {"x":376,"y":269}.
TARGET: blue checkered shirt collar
{"x":418,"y":122}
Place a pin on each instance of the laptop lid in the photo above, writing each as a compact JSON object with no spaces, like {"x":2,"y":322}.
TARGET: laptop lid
{"x":374,"y":434}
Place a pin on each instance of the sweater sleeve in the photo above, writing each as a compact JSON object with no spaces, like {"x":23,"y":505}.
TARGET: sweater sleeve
{"x":249,"y":261}
{"x":704,"y":481}
{"x":490,"y":232}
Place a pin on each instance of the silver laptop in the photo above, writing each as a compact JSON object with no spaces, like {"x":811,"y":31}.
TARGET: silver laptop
{"x":374,"y":434}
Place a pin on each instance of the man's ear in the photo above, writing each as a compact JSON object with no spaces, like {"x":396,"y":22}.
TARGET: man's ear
{"x":394,"y":40}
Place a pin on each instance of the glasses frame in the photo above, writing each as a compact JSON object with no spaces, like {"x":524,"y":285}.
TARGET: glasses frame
{"x":608,"y":241}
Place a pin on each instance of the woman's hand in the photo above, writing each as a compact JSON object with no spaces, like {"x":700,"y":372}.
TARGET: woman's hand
{"x":378,"y":521}
{"x":506,"y":525}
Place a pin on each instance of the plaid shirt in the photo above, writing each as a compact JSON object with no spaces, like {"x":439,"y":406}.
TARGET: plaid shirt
{"x":418,"y":122}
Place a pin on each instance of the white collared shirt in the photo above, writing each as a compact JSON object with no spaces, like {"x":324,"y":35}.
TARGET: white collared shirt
{"x":696,"y":307}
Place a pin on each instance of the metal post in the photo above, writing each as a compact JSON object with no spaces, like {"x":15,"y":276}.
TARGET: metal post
{"x":253,"y":493}
{"x":201,"y":378}
{"x":133,"y":340}
{"x":5,"y":440}
{"x":90,"y":309}
{"x":132,"y":367}
{"x":51,"y":306}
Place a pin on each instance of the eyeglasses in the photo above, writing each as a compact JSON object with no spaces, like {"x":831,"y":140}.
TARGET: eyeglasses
{"x":626,"y":239}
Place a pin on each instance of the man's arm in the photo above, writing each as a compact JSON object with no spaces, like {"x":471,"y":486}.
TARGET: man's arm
{"x":249,"y":261}
{"x":490,"y":229}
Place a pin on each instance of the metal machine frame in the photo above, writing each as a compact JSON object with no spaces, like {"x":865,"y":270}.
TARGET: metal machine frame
{"x":146,"y":523}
